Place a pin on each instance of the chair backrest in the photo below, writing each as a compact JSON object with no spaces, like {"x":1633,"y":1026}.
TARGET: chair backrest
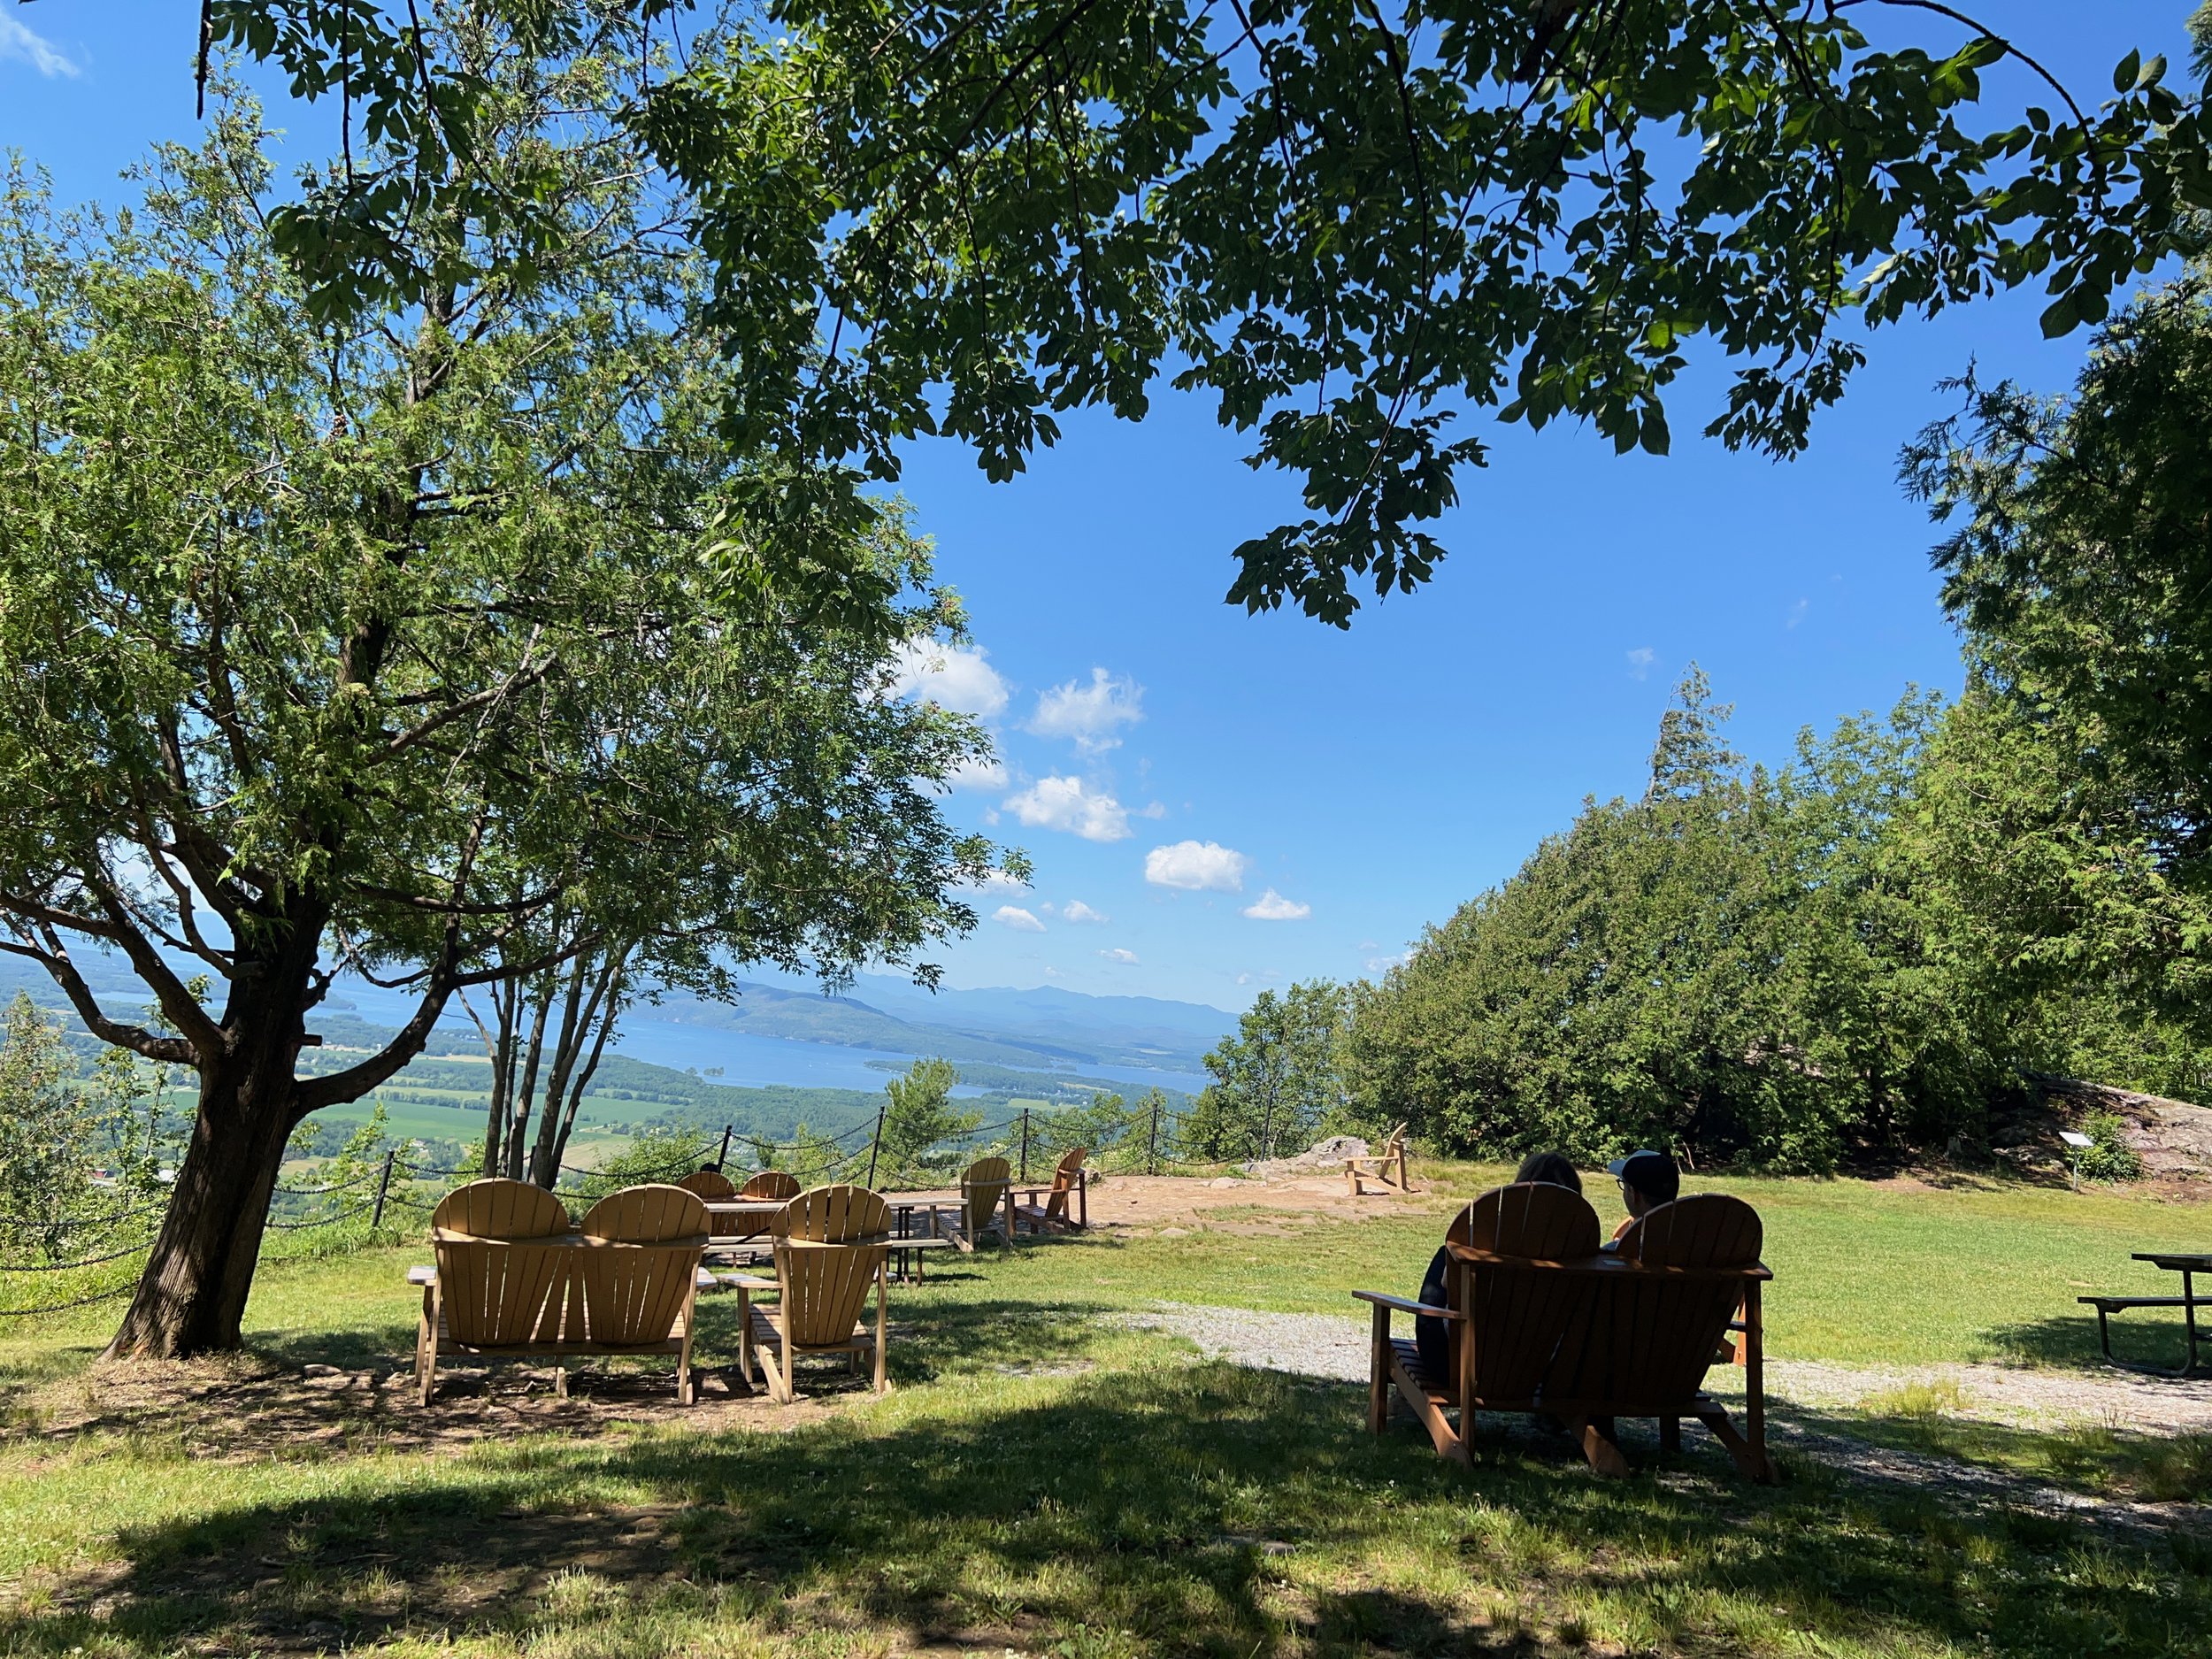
{"x":710,"y":1184}
{"x":652,"y":1214}
{"x":499,"y":1209}
{"x":501,"y":1293}
{"x":1518,"y":1309}
{"x":1654,"y":1328}
{"x":641,"y":1248}
{"x":821,"y":1271}
{"x":1063,"y":1180}
{"x":1393,"y":1140}
{"x":1530,"y":1218}
{"x":833,"y":1215}
{"x":983,"y":1189}
{"x":770,"y":1184}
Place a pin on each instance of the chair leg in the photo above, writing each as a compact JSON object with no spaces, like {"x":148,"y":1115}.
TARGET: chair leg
{"x":883,"y":1297}
{"x":1379,"y":1373}
{"x":1598,"y":1446}
{"x":427,"y":1372}
{"x":1669,"y":1434}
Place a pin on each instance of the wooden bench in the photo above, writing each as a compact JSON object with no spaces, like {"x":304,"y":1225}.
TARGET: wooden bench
{"x":1539,"y":1319}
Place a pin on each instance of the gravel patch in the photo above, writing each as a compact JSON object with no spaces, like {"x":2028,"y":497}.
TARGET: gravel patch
{"x":1335,"y":1350}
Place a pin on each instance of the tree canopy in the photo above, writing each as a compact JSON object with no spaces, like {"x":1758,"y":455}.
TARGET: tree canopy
{"x":1353,"y":227}
{"x":377,"y":645}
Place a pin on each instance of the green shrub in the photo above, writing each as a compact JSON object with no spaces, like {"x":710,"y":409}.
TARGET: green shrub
{"x":2109,"y":1157}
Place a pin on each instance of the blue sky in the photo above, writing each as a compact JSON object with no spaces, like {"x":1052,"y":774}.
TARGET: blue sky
{"x":1215,"y":802}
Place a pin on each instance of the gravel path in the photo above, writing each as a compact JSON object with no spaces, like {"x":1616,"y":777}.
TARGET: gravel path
{"x":1324,"y":1346}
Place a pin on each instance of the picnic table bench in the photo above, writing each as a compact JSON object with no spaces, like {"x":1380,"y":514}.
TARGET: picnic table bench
{"x":2186,"y":1264}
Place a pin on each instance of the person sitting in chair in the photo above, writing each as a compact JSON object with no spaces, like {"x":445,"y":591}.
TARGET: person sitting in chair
{"x":1648,"y":1179}
{"x":1552,"y":1168}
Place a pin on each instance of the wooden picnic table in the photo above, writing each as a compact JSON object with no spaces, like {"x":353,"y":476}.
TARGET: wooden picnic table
{"x":2196,"y":1342}
{"x":724,"y":1216}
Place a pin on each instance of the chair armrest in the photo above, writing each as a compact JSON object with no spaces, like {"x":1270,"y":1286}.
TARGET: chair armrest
{"x":1404,"y":1306}
{"x":702,"y":1279}
{"x":744,"y":1281}
{"x":422,"y":1275}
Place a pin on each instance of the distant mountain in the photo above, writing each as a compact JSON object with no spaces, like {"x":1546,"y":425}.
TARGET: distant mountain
{"x":1048,"y":1028}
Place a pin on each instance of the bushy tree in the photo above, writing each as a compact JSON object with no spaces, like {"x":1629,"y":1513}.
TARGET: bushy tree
{"x":374,"y":644}
{"x":1735,"y":965}
{"x":1277,"y":1082}
{"x":918,"y":1117}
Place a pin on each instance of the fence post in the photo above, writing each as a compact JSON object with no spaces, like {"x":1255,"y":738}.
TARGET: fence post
{"x":1024,"y":1143}
{"x":875,"y":1144}
{"x":1152,"y":1153}
{"x":722,"y":1158}
{"x":383,"y":1185}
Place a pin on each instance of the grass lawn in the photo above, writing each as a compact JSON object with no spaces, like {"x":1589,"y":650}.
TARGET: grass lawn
{"x":1045,"y":1482}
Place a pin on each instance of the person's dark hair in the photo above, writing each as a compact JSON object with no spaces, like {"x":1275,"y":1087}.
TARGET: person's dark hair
{"x":1552,"y":1168}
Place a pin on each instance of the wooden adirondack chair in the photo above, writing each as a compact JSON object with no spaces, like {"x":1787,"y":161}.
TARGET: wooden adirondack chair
{"x":1052,"y":1214}
{"x":1541,"y":1321}
{"x":1377,"y":1166}
{"x":987,"y":1205}
{"x":830,"y":1246}
{"x":635,"y":1281}
{"x":1659,"y":1320}
{"x":709,"y":1185}
{"x":770,"y":1184}
{"x":503,"y":1249}
{"x":1504,"y":1322}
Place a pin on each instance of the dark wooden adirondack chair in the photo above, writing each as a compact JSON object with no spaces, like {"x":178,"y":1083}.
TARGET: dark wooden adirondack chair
{"x":1541,"y":1321}
{"x":1504,"y":1317}
{"x":1660,"y":1316}
{"x":710,"y":1184}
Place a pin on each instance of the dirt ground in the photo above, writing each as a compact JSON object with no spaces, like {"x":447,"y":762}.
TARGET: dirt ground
{"x":1156,"y":1203}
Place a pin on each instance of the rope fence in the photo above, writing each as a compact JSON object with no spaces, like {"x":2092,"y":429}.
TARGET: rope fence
{"x":1147,"y":1138}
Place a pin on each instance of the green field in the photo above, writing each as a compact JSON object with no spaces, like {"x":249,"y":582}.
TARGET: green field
{"x":1043,"y":1481}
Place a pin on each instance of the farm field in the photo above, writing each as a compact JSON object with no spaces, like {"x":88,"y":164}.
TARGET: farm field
{"x":1047,"y":1479}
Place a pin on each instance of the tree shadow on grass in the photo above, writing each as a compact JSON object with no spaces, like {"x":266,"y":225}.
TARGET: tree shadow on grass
{"x":1157,"y":1507}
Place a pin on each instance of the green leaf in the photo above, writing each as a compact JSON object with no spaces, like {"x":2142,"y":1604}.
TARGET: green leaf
{"x":2124,"y":74}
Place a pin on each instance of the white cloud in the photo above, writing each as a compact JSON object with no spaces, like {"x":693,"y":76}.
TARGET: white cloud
{"x":21,"y":44}
{"x":1068,"y":804}
{"x":1383,"y":965}
{"x":1089,"y":714}
{"x":1640,"y":661}
{"x":1196,"y":867}
{"x":998,"y":881}
{"x":1016,"y":918}
{"x":953,"y":677}
{"x":1797,"y":613}
{"x":1079,"y":912}
{"x":1118,"y":955}
{"x":1154,"y":810}
{"x":1271,"y":906}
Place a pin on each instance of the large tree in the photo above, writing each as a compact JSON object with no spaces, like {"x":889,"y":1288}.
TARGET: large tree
{"x":372,"y":644}
{"x":1351,"y":224}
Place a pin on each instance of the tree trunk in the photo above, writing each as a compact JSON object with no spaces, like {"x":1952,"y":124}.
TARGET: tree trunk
{"x":191,"y":1298}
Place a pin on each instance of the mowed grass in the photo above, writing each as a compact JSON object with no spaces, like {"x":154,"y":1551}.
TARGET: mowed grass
{"x":1046,"y":1481}
{"x":1866,"y":1273}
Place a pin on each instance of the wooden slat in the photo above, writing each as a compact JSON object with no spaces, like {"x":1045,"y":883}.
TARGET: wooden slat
{"x":500,"y":1209}
{"x":710,"y":1184}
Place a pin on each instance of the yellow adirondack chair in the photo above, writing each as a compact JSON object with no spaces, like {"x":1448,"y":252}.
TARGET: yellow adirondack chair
{"x":830,"y":1244}
{"x":710,"y":1184}
{"x":1052,"y":1214}
{"x":503,"y":1249}
{"x":1377,"y":1166}
{"x":987,"y":1205}
{"x":636,"y":1279}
